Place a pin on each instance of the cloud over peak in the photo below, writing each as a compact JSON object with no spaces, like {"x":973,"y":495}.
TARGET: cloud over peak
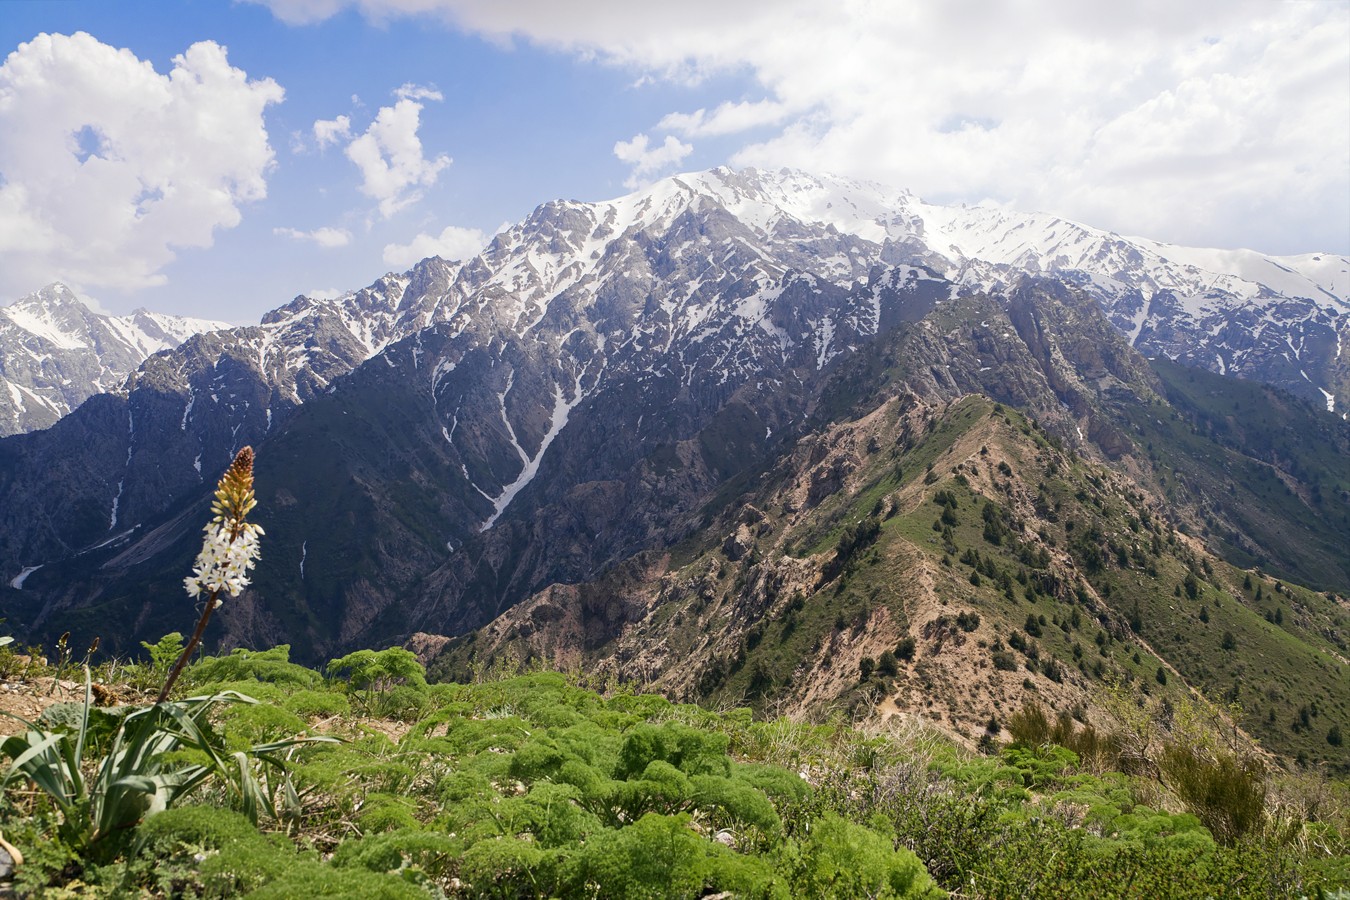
{"x":1214,"y":122}
{"x":648,"y":162}
{"x":452,"y":243}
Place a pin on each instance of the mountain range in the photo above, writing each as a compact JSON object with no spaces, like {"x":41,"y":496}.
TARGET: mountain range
{"x":728,"y":372}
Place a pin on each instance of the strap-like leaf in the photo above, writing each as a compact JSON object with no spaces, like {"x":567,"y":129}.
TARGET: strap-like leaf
{"x":43,"y":764}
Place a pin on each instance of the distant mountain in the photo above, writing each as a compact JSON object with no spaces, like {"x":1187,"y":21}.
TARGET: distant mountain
{"x":1278,"y":319}
{"x":55,"y":353}
{"x":604,"y":377}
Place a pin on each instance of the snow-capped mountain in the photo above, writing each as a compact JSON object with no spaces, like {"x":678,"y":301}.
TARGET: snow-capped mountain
{"x":55,"y":352}
{"x":1278,"y":319}
{"x":438,"y":444}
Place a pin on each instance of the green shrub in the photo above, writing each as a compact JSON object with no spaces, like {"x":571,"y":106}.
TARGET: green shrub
{"x":844,"y":860}
{"x":905,"y":649}
{"x":241,"y":867}
{"x":690,"y":750}
{"x":429,"y":852}
{"x":386,"y":812}
{"x":733,"y":802}
{"x":312,"y":879}
{"x":254,"y":723}
{"x":778,"y":784}
{"x":509,"y":866}
{"x":204,"y":827}
{"x":1228,"y":794}
{"x":402,"y":702}
{"x":272,"y":665}
{"x":317,"y":704}
{"x":372,"y":670}
{"x":164,"y":652}
{"x":660,"y":857}
{"x":1029,"y":726}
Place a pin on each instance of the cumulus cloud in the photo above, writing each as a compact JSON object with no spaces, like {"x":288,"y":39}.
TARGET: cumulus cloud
{"x":1213,"y":121}
{"x":394,"y":171}
{"x":107,"y":166}
{"x":332,"y":131}
{"x":648,"y":161}
{"x":452,"y":243}
{"x":328,"y":238}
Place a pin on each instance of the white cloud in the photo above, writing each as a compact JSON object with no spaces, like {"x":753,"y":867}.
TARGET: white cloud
{"x":106,"y":166}
{"x":328,"y":238}
{"x":324,"y":293}
{"x":411,"y":91}
{"x":389,"y":154}
{"x":1211,"y":121}
{"x":649,"y":162}
{"x":728,"y":118}
{"x":452,"y":243}
{"x":332,"y":131}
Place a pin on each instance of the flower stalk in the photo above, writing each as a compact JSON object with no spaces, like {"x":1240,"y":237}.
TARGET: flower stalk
{"x":228,"y":553}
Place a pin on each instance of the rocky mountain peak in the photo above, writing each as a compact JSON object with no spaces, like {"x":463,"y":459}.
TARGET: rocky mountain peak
{"x":55,"y":352}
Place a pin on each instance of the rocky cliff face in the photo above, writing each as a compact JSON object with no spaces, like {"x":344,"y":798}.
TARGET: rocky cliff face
{"x":442,"y":444}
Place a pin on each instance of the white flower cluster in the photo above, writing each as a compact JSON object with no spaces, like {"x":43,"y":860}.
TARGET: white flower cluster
{"x":222,"y":566}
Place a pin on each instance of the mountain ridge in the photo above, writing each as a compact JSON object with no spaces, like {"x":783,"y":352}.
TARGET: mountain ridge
{"x":466,"y":432}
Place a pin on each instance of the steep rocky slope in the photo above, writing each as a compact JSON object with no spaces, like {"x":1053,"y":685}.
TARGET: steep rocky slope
{"x":950,"y":563}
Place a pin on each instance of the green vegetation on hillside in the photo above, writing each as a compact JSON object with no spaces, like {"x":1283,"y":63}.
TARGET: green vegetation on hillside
{"x":1267,"y":473}
{"x":955,"y":564}
{"x":534,"y":785}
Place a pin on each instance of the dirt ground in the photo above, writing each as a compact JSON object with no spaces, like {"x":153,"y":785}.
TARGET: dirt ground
{"x":26,"y":698}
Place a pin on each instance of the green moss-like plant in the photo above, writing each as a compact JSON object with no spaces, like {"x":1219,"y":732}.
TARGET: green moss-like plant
{"x":841,"y":859}
{"x":309,"y":880}
{"x":317,"y":704}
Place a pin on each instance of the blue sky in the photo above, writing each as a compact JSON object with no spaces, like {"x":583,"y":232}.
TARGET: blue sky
{"x":212,"y":191}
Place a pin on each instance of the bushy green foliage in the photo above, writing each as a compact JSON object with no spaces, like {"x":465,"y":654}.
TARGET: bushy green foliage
{"x":369,"y":669}
{"x":692,"y":751}
{"x":272,"y":665}
{"x":168,"y":850}
{"x":660,"y":856}
{"x":842,"y":860}
{"x":164,"y":652}
{"x":388,"y":683}
{"x":312,"y":879}
{"x":533,"y":786}
{"x":317,"y":704}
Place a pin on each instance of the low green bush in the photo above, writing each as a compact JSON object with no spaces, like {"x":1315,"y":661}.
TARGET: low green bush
{"x":317,"y":704}
{"x":272,"y":665}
